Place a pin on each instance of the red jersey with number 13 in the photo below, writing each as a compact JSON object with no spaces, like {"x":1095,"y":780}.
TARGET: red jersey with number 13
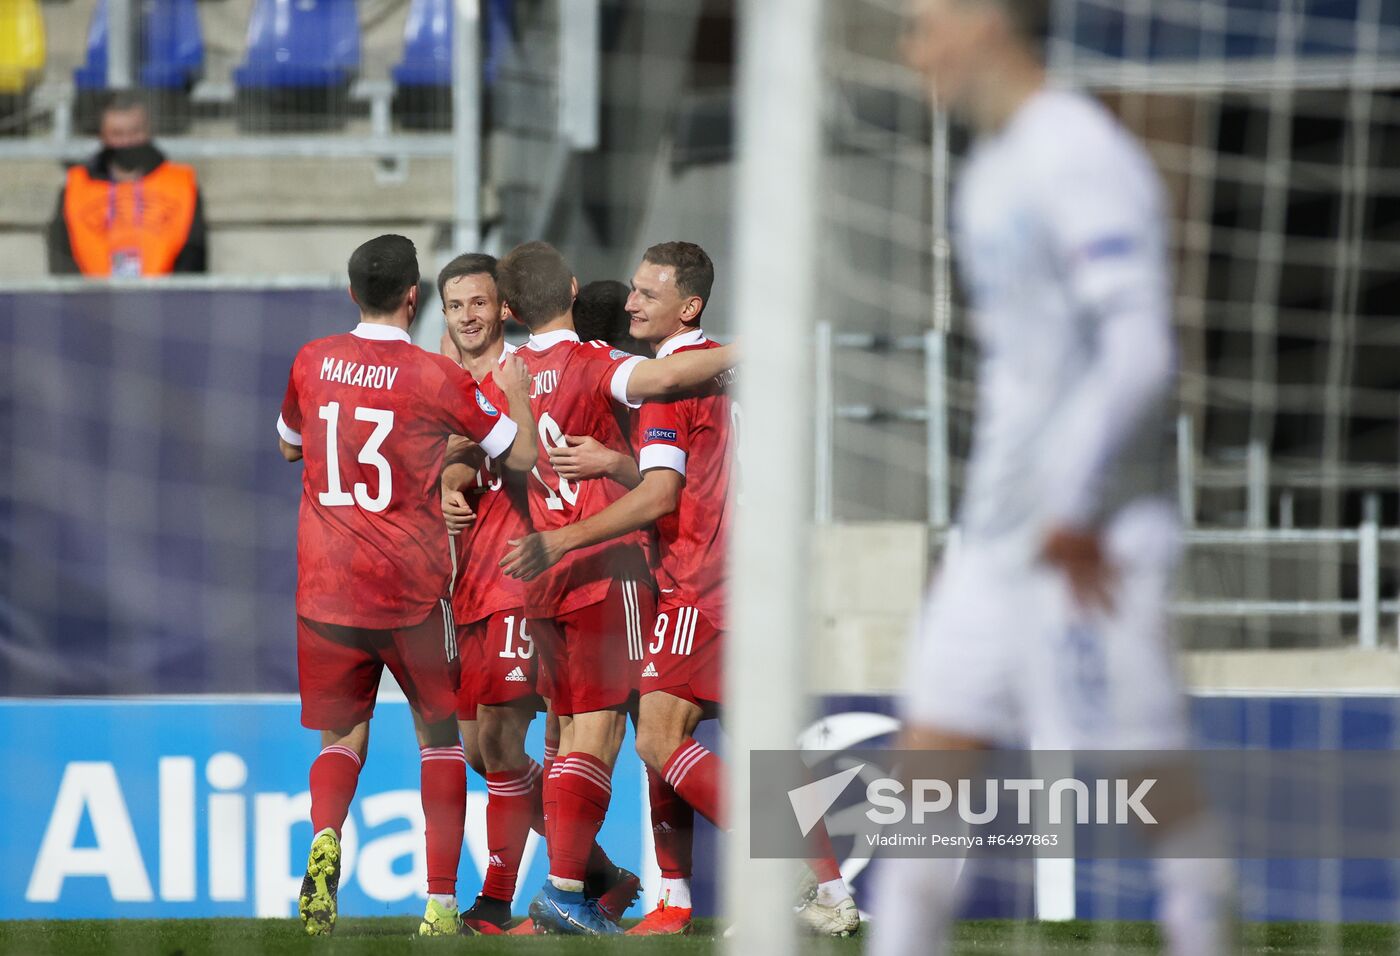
{"x":574,"y":388}
{"x":696,"y":436}
{"x":372,"y":413}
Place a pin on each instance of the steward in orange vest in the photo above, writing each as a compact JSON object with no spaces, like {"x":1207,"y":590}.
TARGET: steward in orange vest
{"x":148,"y":222}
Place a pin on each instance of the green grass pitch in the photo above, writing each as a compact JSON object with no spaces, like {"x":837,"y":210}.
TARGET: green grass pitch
{"x":218,"y":937}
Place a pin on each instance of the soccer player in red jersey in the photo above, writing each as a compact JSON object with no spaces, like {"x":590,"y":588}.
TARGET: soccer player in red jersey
{"x":497,"y":696}
{"x":369,"y":413}
{"x":587,"y":614}
{"x":600,"y":315}
{"x":687,"y":463}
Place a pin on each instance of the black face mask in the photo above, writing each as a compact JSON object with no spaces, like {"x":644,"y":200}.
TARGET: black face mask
{"x":141,"y":158}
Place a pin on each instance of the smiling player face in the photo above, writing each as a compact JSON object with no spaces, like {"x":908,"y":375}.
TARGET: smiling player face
{"x":656,"y":306}
{"x":471,"y":309}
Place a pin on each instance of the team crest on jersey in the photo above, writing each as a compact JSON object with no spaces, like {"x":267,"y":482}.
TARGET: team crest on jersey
{"x":485,"y":404}
{"x":660,"y":434}
{"x":618,"y":353}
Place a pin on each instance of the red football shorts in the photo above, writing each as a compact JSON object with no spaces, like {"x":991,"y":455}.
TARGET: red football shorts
{"x":589,"y":658}
{"x":338,"y":669}
{"x":684,"y":657}
{"x":499,"y":663}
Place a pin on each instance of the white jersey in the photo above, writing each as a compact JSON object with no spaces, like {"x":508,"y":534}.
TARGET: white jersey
{"x":1060,"y":226}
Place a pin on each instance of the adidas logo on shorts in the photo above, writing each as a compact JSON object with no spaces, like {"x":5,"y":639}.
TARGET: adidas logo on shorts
{"x":495,"y":861}
{"x":516,"y":675}
{"x":650,"y":670}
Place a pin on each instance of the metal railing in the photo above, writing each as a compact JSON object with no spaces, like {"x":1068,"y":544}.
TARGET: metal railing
{"x":1368,"y":605}
{"x":933,"y":414}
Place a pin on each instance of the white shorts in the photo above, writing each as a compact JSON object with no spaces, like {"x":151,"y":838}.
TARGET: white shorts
{"x":1003,"y":654}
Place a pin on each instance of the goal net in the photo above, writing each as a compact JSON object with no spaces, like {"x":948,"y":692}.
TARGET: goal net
{"x":1275,"y":128}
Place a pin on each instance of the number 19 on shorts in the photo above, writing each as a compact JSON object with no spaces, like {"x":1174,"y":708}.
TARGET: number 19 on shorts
{"x":524,"y":647}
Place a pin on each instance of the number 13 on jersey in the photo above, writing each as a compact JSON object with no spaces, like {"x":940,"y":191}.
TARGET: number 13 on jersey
{"x":335,"y":495}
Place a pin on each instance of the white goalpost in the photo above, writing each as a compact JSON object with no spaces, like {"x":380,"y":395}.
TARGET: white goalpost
{"x":776,"y":224}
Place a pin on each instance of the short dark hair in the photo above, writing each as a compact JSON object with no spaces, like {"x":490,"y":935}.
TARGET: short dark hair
{"x":600,"y":314}
{"x":381,"y":273}
{"x":695,"y":273}
{"x":536,"y":282}
{"x":122,"y":100}
{"x":1030,"y":18}
{"x":467,"y":264}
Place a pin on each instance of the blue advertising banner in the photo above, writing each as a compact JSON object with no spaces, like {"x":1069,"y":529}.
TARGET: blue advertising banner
{"x":199,"y":807}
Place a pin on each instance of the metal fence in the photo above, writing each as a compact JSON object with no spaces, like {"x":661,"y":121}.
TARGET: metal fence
{"x":1350,"y":558}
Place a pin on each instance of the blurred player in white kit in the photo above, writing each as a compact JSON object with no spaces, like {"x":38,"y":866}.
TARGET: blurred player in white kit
{"x":1048,"y":626}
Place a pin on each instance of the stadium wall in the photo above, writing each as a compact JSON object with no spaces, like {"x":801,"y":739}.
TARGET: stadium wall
{"x":147,"y":525}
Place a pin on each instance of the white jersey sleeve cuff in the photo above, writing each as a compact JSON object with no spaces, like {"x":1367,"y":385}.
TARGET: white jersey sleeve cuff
{"x":661,"y":456}
{"x":288,"y":436}
{"x":621,"y":376}
{"x":498,"y":441}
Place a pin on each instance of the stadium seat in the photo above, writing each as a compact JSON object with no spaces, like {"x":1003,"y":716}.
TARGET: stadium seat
{"x":22,"y":55}
{"x":423,"y":79}
{"x":21,"y":45}
{"x":499,"y":24}
{"x":302,"y":56}
{"x":427,"y":45}
{"x":171,"y":58}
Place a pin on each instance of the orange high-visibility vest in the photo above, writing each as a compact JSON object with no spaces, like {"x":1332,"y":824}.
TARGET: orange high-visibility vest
{"x":133,"y":228}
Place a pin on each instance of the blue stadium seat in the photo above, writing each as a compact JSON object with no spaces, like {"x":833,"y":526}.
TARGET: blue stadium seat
{"x":172,"y":48}
{"x":499,"y":17}
{"x":302,"y":57}
{"x":423,"y":78}
{"x":170,"y":58}
{"x":427,"y":45}
{"x":300,"y":44}
{"x":427,"y":42}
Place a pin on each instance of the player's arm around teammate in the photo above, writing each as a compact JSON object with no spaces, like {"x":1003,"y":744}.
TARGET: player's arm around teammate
{"x":679,"y":373}
{"x":655,"y":496}
{"x":464,"y":457}
{"x":582,"y":457}
{"x":514,"y":380}
{"x":457,"y":477}
{"x":600,"y":315}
